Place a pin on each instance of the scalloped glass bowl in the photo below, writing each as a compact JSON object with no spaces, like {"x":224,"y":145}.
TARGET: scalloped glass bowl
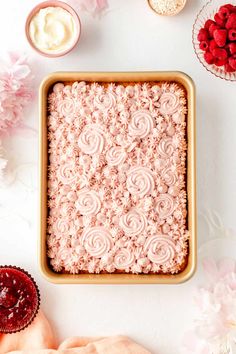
{"x":207,"y":12}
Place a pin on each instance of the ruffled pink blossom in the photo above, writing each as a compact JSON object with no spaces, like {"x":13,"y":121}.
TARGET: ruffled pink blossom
{"x":3,"y":164}
{"x":94,"y":7}
{"x":15,"y":91}
{"x":215,"y":325}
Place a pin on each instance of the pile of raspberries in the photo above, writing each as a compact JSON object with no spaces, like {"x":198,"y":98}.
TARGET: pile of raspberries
{"x":218,"y":38}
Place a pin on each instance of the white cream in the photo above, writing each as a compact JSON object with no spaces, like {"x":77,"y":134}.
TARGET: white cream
{"x":53,"y":30}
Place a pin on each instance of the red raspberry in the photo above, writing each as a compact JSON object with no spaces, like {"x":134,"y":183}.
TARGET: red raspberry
{"x":220,"y":62}
{"x":220,"y":53}
{"x":231,"y":22}
{"x":202,"y":35}
{"x":203,"y":45}
{"x":232,"y":48}
{"x":229,"y":68}
{"x":209,"y":58}
{"x":208,"y":24}
{"x":232,"y":62}
{"x":231,"y":7}
{"x":220,"y":36}
{"x":224,"y":12}
{"x":212,"y":29}
{"x":232,"y":34}
{"x":212,"y":45}
{"x":219,"y":20}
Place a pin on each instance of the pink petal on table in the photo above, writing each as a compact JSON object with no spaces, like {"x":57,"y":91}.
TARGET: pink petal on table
{"x":89,"y":5}
{"x":210,"y":267}
{"x":21,"y":72}
{"x":102,"y":4}
{"x":192,"y":344}
{"x":17,"y":58}
{"x":226,"y":266}
{"x":14,"y":57}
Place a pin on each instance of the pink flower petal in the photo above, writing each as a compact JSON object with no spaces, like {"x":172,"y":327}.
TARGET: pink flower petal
{"x":226,"y":266}
{"x":21,"y":72}
{"x":14,"y":57}
{"x":15,"y":91}
{"x":102,"y":4}
{"x":192,"y":344}
{"x":210,"y":268}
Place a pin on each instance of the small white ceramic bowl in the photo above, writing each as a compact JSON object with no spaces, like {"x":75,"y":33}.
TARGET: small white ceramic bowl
{"x":64,"y":6}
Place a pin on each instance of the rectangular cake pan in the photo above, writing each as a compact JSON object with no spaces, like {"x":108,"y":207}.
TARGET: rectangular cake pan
{"x":45,"y":87}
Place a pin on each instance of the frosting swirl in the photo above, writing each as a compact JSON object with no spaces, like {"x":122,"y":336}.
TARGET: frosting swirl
{"x":115,"y":156}
{"x":61,"y":226}
{"x":169,"y":176}
{"x":91,"y":140}
{"x":140,"y":181}
{"x":134,"y":222}
{"x":66,"y":173}
{"x":66,"y":107}
{"x":105,"y":100}
{"x":123,"y":259}
{"x":141,"y":124}
{"x":160,"y":249}
{"x":166,"y":147}
{"x":97,"y":241}
{"x":169,"y":103}
{"x":88,"y":203}
{"x":165,"y":205}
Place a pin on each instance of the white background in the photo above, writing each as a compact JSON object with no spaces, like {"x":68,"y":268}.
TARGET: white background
{"x":130,"y":37}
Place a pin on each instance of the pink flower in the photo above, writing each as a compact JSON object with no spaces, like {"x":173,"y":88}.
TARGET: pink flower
{"x":194,"y":345}
{"x":215,"y":325}
{"x":94,"y":7}
{"x":15,"y":91}
{"x":3,"y":162}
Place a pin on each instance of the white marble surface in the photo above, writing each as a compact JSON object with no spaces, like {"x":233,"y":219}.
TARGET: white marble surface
{"x":130,"y":37}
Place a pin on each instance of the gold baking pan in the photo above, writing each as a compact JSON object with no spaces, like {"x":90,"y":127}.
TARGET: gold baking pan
{"x":45,"y":87}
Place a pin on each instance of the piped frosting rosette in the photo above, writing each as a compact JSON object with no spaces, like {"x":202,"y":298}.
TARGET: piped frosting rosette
{"x":97,"y":241}
{"x":91,"y":140}
{"x":124,"y":258}
{"x":66,"y":173}
{"x":166,"y":148}
{"x":105,"y":100}
{"x":115,"y":156}
{"x":141,"y":124}
{"x":66,"y":107}
{"x":169,"y":103}
{"x":134,"y":222}
{"x":160,"y":249}
{"x":88,"y":202}
{"x":61,"y":226}
{"x":140,"y":181}
{"x":165,"y":205}
{"x":169,"y":175}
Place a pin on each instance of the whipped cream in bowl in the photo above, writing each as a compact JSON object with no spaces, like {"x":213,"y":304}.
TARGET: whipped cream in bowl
{"x":53,"y":28}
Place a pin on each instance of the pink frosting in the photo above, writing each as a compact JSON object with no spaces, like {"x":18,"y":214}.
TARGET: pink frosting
{"x":140,"y":181}
{"x":97,"y":241}
{"x":115,"y":156}
{"x":160,"y":249}
{"x":124,"y":258}
{"x":134,"y":222}
{"x":165,"y":205}
{"x":91,"y":140}
{"x":169,"y":103}
{"x":117,"y":172}
{"x":88,"y":202}
{"x":141,"y":124}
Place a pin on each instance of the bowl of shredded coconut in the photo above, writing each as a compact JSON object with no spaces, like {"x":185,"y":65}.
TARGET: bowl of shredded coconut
{"x":167,"y":7}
